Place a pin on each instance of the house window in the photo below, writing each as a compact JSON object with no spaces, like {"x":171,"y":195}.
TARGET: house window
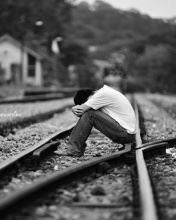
{"x":31,"y":65}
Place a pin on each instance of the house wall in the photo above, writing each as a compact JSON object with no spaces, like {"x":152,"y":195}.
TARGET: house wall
{"x":9,"y":54}
{"x":24,"y":67}
{"x":38,"y":80}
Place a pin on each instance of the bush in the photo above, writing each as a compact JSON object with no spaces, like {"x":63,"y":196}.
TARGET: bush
{"x":135,"y":85}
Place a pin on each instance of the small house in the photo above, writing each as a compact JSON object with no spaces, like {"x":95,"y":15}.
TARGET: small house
{"x":19,"y":65}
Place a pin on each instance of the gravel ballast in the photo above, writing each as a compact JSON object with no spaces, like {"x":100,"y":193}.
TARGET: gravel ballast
{"x":15,"y":115}
{"x":114,"y":187}
{"x":26,"y":137}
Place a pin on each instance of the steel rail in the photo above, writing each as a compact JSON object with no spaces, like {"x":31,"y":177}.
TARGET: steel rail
{"x":52,"y":144}
{"x":149,"y":211}
{"x":54,"y":180}
{"x":41,"y":144}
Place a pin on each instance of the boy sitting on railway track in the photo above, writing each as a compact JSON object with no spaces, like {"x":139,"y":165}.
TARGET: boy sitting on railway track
{"x":107,"y":110}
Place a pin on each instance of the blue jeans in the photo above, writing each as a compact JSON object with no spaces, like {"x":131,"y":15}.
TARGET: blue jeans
{"x":102,"y":122}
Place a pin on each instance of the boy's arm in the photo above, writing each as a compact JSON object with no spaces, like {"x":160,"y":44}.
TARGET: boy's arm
{"x":79,"y":110}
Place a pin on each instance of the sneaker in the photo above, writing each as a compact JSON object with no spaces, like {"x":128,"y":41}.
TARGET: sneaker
{"x":74,"y":153}
{"x":69,"y":153}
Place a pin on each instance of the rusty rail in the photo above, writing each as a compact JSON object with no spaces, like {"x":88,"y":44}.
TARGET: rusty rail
{"x":149,"y":210}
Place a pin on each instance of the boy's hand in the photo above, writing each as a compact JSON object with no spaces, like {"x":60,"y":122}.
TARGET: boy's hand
{"x":77,"y":110}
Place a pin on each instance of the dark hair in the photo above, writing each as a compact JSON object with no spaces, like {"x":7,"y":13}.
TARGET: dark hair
{"x":82,"y":95}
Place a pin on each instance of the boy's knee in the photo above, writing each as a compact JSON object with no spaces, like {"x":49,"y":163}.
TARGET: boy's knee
{"x":89,"y":113}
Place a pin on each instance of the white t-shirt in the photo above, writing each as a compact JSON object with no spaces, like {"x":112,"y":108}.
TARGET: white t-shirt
{"x":116,"y":105}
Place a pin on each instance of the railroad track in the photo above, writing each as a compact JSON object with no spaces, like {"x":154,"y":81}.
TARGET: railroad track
{"x":15,"y":115}
{"x":36,"y":96}
{"x":106,"y":166}
{"x":159,"y":122}
{"x":27,"y":99}
{"x":96,"y":162}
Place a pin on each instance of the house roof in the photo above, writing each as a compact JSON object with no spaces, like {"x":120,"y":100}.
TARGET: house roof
{"x":17,"y":43}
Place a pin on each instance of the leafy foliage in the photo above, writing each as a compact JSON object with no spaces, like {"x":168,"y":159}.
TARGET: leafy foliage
{"x":86,"y":75}
{"x":74,"y":53}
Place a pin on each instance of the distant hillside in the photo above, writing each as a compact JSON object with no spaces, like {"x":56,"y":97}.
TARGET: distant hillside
{"x":110,"y":28}
{"x":149,"y":45}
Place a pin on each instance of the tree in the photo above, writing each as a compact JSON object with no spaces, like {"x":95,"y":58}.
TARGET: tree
{"x":111,"y":29}
{"x":18,"y":17}
{"x":156,"y":68}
